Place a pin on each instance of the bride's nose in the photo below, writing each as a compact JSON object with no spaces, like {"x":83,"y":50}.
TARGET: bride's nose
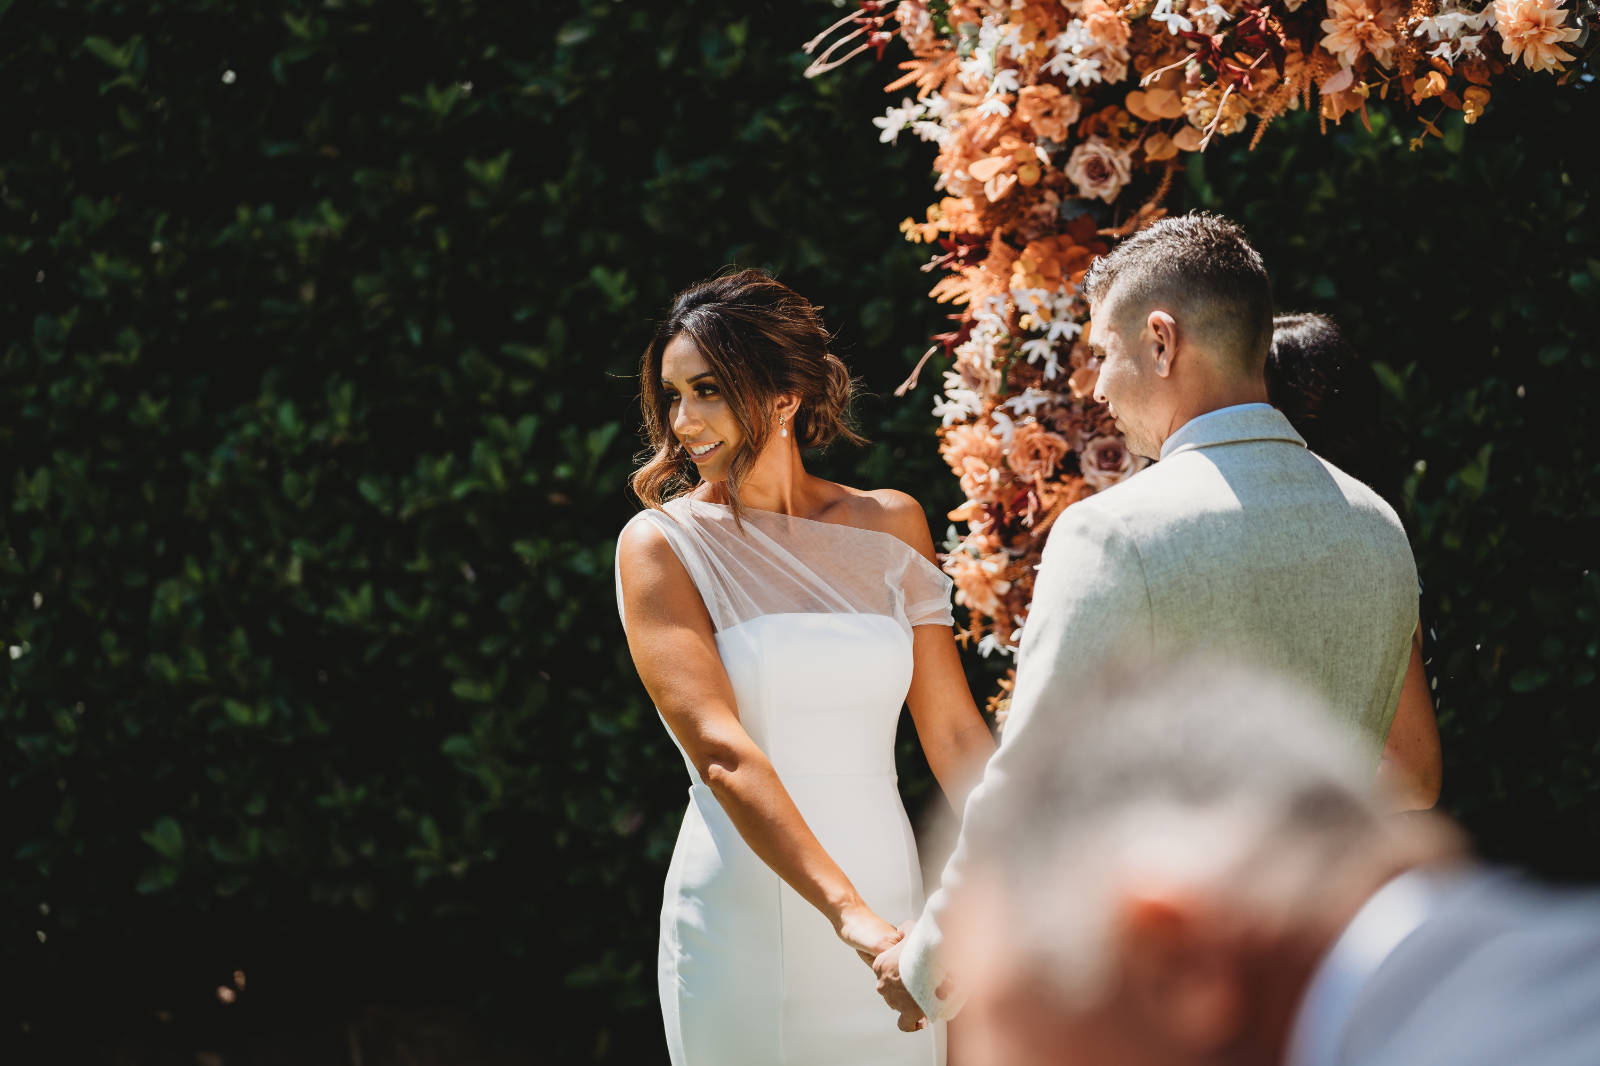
{"x":686,"y":421}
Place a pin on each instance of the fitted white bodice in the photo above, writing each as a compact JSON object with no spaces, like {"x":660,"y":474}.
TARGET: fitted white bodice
{"x":820,"y":693}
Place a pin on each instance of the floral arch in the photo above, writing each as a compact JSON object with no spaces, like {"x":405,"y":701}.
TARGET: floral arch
{"x":1060,"y":126}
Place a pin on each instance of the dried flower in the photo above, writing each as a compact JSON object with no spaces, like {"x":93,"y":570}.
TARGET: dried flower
{"x":1532,"y":31}
{"x":1035,"y":452}
{"x":1098,"y":169}
{"x":977,"y":581}
{"x":1354,"y":27}
{"x":1106,"y":461}
{"x":1047,"y":110}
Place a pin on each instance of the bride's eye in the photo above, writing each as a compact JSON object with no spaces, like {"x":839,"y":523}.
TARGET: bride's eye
{"x":706,"y":391}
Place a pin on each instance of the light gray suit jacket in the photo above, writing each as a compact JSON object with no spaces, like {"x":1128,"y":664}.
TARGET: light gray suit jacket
{"x":1501,"y":972}
{"x":1239,"y":542}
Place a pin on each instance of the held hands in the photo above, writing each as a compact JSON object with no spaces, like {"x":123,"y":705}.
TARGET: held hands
{"x":870,"y":935}
{"x":893,"y":989}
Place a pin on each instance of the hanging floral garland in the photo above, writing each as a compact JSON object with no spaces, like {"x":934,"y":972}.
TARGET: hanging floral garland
{"x":1060,"y":126}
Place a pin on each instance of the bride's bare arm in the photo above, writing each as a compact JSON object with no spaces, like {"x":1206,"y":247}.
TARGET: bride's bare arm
{"x":954,"y":736}
{"x":672,"y":641}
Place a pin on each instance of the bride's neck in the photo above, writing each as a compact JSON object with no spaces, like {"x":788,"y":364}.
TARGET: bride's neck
{"x":777,"y":482}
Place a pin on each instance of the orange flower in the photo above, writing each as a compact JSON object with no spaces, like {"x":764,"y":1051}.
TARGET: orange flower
{"x":1104,"y":23}
{"x":1357,"y":26}
{"x":971,"y":442}
{"x":1473,"y":101}
{"x":978,"y":584}
{"x":1429,"y":87}
{"x":1047,"y":110}
{"x":1531,"y":31}
{"x":1035,"y":452}
{"x":1201,"y":106}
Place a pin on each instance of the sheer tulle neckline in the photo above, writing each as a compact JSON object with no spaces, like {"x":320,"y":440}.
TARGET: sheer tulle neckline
{"x":728,"y":508}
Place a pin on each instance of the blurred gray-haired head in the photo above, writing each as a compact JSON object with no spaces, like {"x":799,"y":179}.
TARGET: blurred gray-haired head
{"x":1203,"y":775}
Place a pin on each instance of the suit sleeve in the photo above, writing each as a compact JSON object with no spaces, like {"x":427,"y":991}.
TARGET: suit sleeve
{"x":1090,"y":602}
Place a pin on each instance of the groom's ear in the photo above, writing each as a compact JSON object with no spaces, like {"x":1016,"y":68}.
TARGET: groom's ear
{"x":1163,"y":330}
{"x":1183,"y":970}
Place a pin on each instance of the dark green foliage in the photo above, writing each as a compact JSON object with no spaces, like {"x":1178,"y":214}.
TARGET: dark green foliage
{"x":318,"y":415}
{"x":318,"y":419}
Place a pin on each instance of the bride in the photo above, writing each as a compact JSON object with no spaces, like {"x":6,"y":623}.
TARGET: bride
{"x":779,"y":621}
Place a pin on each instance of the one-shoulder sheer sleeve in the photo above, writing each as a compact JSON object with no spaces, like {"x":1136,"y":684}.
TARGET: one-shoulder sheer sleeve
{"x":927,"y":593}
{"x":770,"y":564}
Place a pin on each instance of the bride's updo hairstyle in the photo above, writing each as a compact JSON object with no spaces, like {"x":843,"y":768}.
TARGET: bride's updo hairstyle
{"x":763,"y":340}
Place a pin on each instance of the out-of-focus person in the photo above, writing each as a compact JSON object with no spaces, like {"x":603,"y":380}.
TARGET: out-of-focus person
{"x":1196,"y":868}
{"x":1330,"y":396}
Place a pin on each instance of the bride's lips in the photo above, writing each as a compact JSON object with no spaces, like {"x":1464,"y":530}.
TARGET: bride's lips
{"x":703,"y":456}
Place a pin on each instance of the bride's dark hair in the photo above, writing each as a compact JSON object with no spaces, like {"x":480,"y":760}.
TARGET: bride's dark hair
{"x":763,"y":340}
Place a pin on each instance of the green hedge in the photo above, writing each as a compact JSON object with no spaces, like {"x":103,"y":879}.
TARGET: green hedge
{"x":319,"y":424}
{"x":318,"y":421}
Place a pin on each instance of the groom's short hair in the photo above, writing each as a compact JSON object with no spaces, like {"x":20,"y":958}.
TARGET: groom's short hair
{"x":1202,"y":268}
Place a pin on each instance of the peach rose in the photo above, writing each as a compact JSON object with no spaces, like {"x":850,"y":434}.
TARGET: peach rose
{"x":1098,"y":169}
{"x":1106,"y":461}
{"x":1047,"y":110}
{"x":971,"y":442}
{"x":1104,"y":23}
{"x":1036,"y":452}
{"x":1533,"y":31}
{"x":1357,"y":27}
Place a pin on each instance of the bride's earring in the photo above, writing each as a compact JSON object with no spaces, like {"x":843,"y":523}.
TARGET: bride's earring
{"x":782,"y":431}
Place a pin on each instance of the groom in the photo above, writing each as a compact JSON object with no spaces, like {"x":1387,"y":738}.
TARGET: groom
{"x":1239,"y":542}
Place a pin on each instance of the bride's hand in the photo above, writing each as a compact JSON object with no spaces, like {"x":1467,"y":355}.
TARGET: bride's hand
{"x":870,"y":935}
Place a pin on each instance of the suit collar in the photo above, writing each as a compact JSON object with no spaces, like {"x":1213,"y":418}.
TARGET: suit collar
{"x":1231,"y":425}
{"x":1392,"y":913}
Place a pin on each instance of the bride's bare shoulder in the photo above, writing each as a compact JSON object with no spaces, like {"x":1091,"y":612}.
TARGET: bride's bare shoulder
{"x":644,"y":553}
{"x":889,"y":511}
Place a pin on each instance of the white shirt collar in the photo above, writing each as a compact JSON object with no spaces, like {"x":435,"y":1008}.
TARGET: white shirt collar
{"x":1391,"y":914}
{"x":1199,"y":423}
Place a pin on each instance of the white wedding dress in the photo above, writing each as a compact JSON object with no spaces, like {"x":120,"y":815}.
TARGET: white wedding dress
{"x":813,"y":623}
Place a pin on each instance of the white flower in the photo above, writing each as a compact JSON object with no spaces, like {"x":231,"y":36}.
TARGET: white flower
{"x":991,"y":35}
{"x":1455,"y":31}
{"x":1174,"y":22}
{"x":995,"y":105}
{"x":1075,"y":58}
{"x":1029,"y":402}
{"x":1064,"y":329}
{"x":1005,"y":427}
{"x":990,"y":643}
{"x":1035,"y":301}
{"x":1209,"y":16}
{"x":959,"y":403}
{"x":1077,"y":69}
{"x":896,"y":119}
{"x":1037,"y":348}
{"x":1005,"y":81}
